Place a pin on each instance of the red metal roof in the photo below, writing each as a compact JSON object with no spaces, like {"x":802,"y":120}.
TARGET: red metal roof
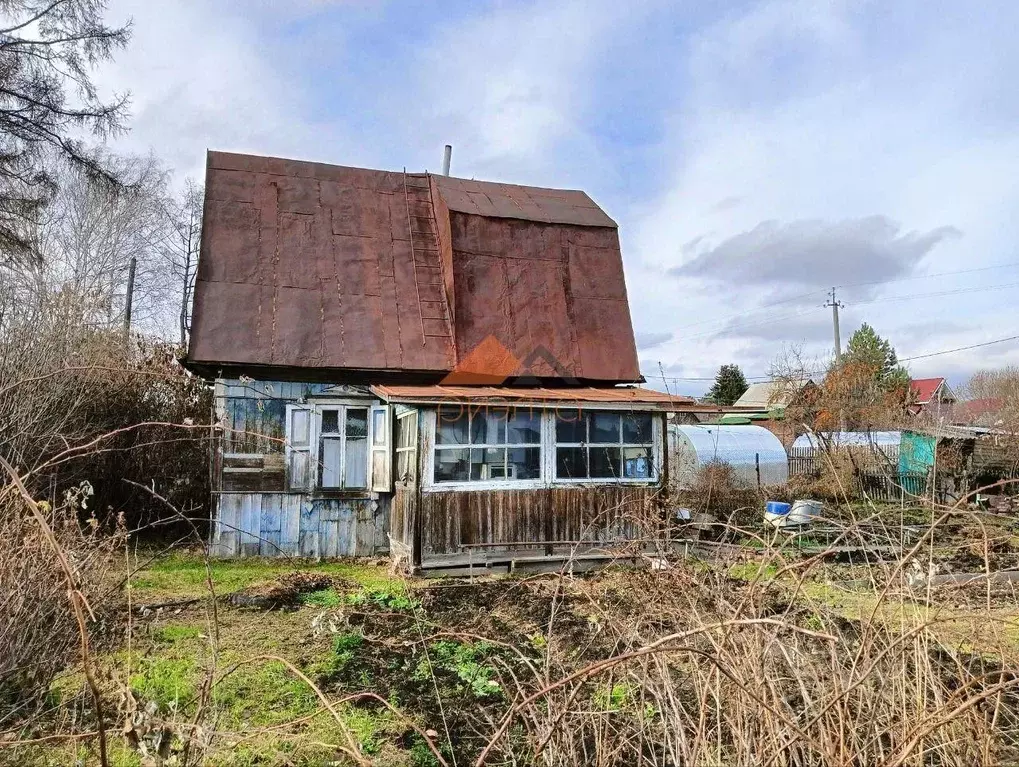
{"x":977,"y":412}
{"x":315,"y":267}
{"x":924,"y":389}
{"x":629,"y":396}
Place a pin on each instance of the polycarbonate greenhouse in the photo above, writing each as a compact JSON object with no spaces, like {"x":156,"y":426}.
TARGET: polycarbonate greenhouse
{"x":756,"y":454}
{"x":885,"y":443}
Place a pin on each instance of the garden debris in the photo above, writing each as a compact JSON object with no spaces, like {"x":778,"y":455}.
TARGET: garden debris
{"x":282,"y":592}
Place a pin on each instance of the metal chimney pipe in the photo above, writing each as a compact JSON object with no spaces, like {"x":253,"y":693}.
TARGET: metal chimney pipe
{"x":447,"y":156}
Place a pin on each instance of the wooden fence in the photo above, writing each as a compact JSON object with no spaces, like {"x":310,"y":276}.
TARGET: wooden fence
{"x":902,"y":486}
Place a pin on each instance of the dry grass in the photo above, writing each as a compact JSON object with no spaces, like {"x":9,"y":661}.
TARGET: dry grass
{"x":771,"y":654}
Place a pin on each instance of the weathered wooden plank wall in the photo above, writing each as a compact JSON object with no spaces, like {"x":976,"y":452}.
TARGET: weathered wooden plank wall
{"x":454,"y":523}
{"x":287,"y":524}
{"x":401,"y":520}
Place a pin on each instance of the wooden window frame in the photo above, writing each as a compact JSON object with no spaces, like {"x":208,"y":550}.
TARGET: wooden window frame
{"x":315,"y":408}
{"x":547,"y":448}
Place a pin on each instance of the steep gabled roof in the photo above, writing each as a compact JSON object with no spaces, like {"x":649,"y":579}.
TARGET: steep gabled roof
{"x":312,"y":269}
{"x":924,"y":389}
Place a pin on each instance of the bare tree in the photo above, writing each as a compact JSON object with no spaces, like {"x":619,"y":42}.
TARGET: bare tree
{"x":92,"y":231}
{"x":48,"y":49}
{"x":180,"y":248}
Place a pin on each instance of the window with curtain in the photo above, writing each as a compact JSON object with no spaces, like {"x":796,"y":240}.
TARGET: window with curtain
{"x":343,"y":447}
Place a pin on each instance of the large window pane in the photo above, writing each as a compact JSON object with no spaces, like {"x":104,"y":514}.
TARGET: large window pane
{"x":331,"y":449}
{"x":488,"y":463}
{"x":488,"y":427}
{"x":357,"y":422}
{"x":524,"y":428}
{"x":355,"y":466}
{"x":299,"y":427}
{"x":637,"y":428}
{"x":330,"y":421}
{"x":637,"y":462}
{"x":452,"y":465}
{"x":451,"y":427}
{"x":524,"y":463}
{"x":605,"y":462}
{"x":571,"y":462}
{"x":604,"y":428}
{"x":570,"y":426}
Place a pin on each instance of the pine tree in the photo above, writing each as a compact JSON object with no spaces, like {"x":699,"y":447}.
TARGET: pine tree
{"x":869,"y":350}
{"x":49,"y":106}
{"x":729,"y":385}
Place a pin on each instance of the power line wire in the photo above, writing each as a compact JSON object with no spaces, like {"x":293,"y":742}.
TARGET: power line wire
{"x":818,"y":372}
{"x":1009,"y":265}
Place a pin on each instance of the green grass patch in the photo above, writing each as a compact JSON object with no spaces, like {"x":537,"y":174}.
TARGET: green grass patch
{"x":614,"y":697}
{"x":393,"y":599}
{"x":263,"y":694}
{"x":322,"y":598}
{"x":175,"y":633}
{"x":468,"y":662}
{"x":168,"y":681}
{"x":753,"y":571}
{"x":185,"y":576}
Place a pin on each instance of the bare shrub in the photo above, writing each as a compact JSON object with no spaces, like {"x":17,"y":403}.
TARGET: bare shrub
{"x":38,"y":630}
{"x":77,"y":405}
{"x":718,"y":491}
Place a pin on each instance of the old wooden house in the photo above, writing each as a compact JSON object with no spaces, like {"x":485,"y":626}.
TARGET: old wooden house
{"x":439,"y":367}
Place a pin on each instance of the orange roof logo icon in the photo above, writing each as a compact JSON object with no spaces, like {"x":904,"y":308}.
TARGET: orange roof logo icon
{"x":488,"y":364}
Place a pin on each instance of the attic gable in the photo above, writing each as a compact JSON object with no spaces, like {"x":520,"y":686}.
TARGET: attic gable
{"x":330,"y":269}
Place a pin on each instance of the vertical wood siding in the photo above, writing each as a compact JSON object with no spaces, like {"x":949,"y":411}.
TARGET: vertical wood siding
{"x":287,"y":524}
{"x":542,"y":521}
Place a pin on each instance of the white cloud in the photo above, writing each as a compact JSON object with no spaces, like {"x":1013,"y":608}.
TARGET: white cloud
{"x":200,"y":78}
{"x":835,"y":114}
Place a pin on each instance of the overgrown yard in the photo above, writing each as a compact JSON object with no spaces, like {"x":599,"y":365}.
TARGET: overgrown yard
{"x":770,"y":653}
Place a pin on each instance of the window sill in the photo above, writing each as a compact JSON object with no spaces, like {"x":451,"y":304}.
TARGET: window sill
{"x":459,"y":487}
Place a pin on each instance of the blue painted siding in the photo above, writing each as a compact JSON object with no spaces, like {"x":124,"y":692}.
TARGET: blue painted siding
{"x":288,"y":524}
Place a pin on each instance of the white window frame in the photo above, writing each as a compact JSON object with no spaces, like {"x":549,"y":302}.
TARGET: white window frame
{"x":484,"y":483}
{"x":548,"y":477}
{"x":315,"y":408}
{"x":654,"y":443}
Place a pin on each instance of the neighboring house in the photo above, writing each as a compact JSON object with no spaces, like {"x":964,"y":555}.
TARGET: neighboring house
{"x":422,"y":361}
{"x":978,"y":412}
{"x":764,"y":404}
{"x":931,"y":397}
{"x":772,"y":395}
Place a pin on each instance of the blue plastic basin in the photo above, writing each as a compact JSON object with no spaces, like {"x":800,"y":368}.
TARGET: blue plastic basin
{"x":776,"y":507}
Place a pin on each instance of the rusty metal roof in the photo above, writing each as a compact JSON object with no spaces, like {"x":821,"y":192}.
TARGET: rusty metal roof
{"x":628,"y":396}
{"x":525,"y":203}
{"x":327,"y":269}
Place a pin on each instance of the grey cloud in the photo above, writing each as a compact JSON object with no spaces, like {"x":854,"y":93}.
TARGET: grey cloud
{"x":813,"y":252}
{"x":802,"y":328}
{"x":649,"y":340}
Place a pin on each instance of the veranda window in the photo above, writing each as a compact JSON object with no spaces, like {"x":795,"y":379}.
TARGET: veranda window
{"x":496,"y":444}
{"x":599,"y":444}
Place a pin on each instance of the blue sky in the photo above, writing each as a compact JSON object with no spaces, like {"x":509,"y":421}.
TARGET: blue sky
{"x":754,"y":154}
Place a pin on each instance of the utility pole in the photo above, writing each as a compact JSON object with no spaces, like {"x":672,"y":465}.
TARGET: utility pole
{"x":129,"y":299}
{"x":835,"y":306}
